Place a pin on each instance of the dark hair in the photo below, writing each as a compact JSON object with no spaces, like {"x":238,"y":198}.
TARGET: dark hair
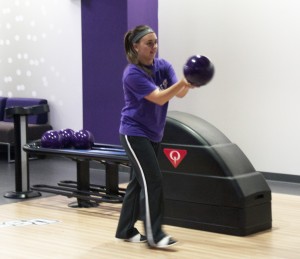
{"x":131,"y":54}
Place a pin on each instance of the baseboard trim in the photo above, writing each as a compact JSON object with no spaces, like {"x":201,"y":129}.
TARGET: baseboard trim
{"x":281,"y":177}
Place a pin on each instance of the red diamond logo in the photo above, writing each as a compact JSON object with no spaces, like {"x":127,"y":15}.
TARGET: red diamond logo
{"x":175,"y":156}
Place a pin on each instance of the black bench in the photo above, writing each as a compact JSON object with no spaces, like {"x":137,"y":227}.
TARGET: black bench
{"x":88,"y":195}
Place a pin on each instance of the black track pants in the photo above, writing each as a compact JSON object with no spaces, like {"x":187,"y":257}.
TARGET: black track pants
{"x":144,"y":194}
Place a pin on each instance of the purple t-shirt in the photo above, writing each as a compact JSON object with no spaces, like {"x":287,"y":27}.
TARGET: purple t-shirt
{"x":140,"y":117}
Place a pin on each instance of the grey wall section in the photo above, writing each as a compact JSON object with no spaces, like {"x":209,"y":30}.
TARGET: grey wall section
{"x":104,"y":23}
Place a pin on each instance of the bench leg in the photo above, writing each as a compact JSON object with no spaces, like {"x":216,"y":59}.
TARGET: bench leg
{"x":83,"y":184}
{"x":112,"y":178}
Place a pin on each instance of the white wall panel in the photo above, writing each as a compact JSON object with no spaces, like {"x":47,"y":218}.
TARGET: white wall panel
{"x":40,"y":55}
{"x":254,"y":96}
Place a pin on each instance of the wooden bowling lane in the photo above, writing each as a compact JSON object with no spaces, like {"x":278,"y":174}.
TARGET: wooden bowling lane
{"x":89,"y":233}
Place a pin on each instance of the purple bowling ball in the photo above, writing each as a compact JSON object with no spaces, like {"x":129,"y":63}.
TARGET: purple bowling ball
{"x":51,"y":139}
{"x":198,"y":70}
{"x":83,"y":139}
{"x":67,"y":137}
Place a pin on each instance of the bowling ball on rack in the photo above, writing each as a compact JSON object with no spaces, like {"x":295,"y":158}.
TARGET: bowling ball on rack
{"x":198,"y":70}
{"x":83,"y":139}
{"x":51,"y":139}
{"x":67,"y":137}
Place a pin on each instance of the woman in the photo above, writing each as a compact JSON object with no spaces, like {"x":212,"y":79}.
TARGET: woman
{"x":148,"y":84}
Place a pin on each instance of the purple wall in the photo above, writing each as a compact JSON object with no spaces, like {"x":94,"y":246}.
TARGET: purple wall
{"x":104,"y":23}
{"x":143,"y":12}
